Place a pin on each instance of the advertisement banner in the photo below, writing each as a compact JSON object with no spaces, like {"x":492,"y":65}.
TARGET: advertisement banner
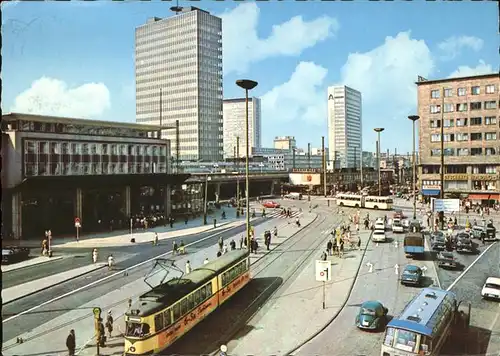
{"x":446,"y":205}
{"x":305,"y":178}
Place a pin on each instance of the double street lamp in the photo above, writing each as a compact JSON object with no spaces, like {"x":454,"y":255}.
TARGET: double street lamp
{"x":414,"y":118}
{"x":378,"y":130}
{"x":247,"y":85}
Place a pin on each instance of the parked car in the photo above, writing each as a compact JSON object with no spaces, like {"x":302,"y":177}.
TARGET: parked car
{"x":491,"y":288}
{"x":411,"y":275}
{"x":446,"y":259}
{"x":463,"y":244}
{"x":438,"y":243}
{"x":379,"y":235}
{"x":372,"y":315}
{"x":437,"y":234}
{"x":397,"y":227}
{"x":271,"y":204}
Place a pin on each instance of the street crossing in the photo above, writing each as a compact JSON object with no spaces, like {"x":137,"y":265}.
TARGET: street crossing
{"x":276,"y":213}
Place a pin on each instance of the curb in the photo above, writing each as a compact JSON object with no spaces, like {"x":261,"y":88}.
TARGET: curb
{"x":342,"y":306}
{"x":58,"y":258}
{"x":53,"y":285}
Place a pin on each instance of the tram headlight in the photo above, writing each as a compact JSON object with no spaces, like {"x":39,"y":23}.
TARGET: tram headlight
{"x":131,"y":349}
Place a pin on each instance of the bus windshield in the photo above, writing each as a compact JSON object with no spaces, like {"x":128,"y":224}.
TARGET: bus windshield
{"x":135,"y":329}
{"x":406,"y":341}
{"x":414,"y":240}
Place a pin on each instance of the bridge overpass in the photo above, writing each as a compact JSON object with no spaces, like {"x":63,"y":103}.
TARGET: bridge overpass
{"x":225,"y":184}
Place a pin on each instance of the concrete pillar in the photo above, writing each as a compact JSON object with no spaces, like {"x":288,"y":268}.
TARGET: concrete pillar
{"x":126,"y":202}
{"x":168,"y":200}
{"x":79,"y":203}
{"x":273,"y":183}
{"x":469,"y":178}
{"x":217,"y":191}
{"x":17,"y":219}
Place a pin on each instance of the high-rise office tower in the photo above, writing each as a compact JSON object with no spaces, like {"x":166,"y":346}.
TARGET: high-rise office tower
{"x":234,"y":114}
{"x":180,"y":58}
{"x":344,"y":127}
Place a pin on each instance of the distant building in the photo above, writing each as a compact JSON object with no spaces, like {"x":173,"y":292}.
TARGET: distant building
{"x":285,"y":142}
{"x":234,"y":114}
{"x":344,"y":126}
{"x":468,"y":109}
{"x":286,"y":160}
{"x":180,"y":57}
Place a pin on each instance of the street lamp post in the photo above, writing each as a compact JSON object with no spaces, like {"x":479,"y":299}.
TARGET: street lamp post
{"x":414,"y":118}
{"x":378,"y":130}
{"x":247,"y":85}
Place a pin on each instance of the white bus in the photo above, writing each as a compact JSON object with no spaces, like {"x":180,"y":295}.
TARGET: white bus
{"x":425,"y":324}
{"x":362,"y":201}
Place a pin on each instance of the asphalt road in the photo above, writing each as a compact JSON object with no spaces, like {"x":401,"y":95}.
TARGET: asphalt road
{"x":341,"y":337}
{"x":40,"y":316}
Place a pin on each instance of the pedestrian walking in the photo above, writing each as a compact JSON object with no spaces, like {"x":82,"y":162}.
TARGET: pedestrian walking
{"x":71,"y":343}
{"x":221,"y":243}
{"x":224,"y":249}
{"x":359,"y":243}
{"x":324,"y":256}
{"x":94,"y":255}
{"x":109,"y":324}
{"x":188,"y":267}
{"x":233,"y":245}
{"x":111,"y":262}
{"x":44,"y":247}
{"x":102,"y":335}
{"x":242,"y":241}
{"x":156,"y":239}
{"x":174,"y":247}
{"x":329,"y":246}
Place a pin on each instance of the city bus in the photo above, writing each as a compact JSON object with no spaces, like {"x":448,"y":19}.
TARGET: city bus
{"x":166,"y":312}
{"x":425,"y":324}
{"x":364,"y":201}
{"x":414,"y":241}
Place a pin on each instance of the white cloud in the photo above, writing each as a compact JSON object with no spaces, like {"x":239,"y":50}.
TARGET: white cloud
{"x":242,"y":45}
{"x":452,"y":46}
{"x":465,"y":71}
{"x":386,"y":75}
{"x":48,"y":96}
{"x":301,"y":98}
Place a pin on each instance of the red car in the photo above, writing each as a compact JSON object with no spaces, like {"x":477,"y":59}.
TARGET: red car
{"x":271,"y":204}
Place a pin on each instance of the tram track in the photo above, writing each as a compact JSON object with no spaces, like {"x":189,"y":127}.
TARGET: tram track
{"x":268,"y":293}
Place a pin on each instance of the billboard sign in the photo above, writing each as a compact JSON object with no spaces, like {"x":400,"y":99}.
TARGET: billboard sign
{"x":305,"y":178}
{"x":446,"y":205}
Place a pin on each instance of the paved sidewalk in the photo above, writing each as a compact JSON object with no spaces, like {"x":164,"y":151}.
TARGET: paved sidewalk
{"x":31,"y":262}
{"x":302,"y":299}
{"x":22,"y":290}
{"x":49,"y":338}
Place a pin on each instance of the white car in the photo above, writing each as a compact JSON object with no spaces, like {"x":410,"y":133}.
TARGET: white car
{"x":397,"y":226}
{"x":491,"y":288}
{"x":405,"y":223}
{"x":378,"y":235}
{"x":380,"y":225}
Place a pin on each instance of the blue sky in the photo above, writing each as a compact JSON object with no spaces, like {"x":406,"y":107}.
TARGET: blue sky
{"x":75,"y":58}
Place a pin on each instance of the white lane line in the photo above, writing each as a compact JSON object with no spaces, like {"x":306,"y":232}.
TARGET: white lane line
{"x":470,"y":266}
{"x":106,"y":278}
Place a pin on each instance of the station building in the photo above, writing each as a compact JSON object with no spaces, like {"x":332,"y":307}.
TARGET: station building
{"x":56,"y":169}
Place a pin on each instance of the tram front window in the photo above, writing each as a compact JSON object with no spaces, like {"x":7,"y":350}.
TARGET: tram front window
{"x":136,"y":329}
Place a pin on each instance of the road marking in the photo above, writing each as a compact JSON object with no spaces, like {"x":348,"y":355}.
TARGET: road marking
{"x":470,"y":266}
{"x":107,"y":277}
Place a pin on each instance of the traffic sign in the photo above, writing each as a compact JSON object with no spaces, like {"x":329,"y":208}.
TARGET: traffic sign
{"x":77,"y":220}
{"x":323,"y":271}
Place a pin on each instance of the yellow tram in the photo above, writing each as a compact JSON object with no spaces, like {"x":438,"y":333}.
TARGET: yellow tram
{"x":169,"y":310}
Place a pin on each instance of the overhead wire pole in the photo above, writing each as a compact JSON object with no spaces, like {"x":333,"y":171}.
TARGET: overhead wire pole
{"x":323,"y":151}
{"x":441,"y":214}
{"x":378,"y":130}
{"x":414,"y":118}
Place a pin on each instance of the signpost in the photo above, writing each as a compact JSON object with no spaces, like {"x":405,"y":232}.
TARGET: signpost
{"x":323,"y":274}
{"x":97,"y":316}
{"x":78,"y":225}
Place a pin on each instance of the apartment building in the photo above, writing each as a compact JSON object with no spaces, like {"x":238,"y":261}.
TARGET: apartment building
{"x":234,"y":115}
{"x":178,"y":75}
{"x":468,"y":109}
{"x":344,"y":126}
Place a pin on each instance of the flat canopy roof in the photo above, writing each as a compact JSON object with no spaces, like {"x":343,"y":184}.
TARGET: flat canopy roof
{"x":13,"y":116}
{"x":86,"y":181}
{"x":472,"y":77}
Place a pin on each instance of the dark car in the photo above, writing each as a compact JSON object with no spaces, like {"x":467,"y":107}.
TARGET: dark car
{"x":437,"y":234}
{"x":438,"y":243}
{"x":491,"y":232}
{"x":372,"y":315}
{"x":446,"y":259}
{"x":463,"y":244}
{"x":411,"y":275}
{"x":13,"y":254}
